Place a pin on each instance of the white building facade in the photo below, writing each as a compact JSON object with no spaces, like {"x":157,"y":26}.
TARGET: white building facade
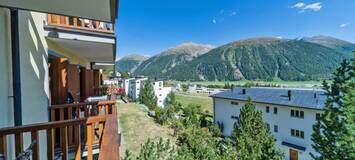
{"x":290,"y":115}
{"x":161,"y":92}
{"x":135,"y":86}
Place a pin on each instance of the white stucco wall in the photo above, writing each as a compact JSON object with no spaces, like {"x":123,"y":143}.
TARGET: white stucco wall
{"x":6,"y":109}
{"x":224,"y":110}
{"x":161,"y":92}
{"x":34,"y":73}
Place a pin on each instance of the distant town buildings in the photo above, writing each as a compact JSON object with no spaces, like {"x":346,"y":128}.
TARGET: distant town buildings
{"x":205,"y":90}
{"x":289,"y":114}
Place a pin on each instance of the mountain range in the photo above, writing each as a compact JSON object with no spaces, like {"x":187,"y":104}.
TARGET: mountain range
{"x":265,"y":58}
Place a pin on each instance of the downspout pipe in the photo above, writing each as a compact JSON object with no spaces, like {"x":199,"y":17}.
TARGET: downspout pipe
{"x":16,"y":74}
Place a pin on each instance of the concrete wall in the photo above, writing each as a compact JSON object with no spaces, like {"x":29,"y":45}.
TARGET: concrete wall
{"x":34,"y":73}
{"x":224,"y":110}
{"x":6,"y":109}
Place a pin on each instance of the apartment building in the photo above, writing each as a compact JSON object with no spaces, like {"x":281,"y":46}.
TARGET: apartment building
{"x":289,"y":113}
{"x":161,"y":92}
{"x":135,"y":86}
{"x":49,"y":49}
{"x":125,"y":85}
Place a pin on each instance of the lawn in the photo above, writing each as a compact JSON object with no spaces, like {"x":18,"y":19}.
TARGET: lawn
{"x":136,"y":127}
{"x":200,"y":99}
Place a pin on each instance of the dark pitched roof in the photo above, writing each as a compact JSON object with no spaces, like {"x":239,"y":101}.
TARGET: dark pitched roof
{"x":304,"y":98}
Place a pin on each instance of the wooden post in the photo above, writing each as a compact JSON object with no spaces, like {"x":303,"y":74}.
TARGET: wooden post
{"x":3,"y":145}
{"x":64,"y":142}
{"x":77,"y":143}
{"x":89,"y":132}
{"x":18,"y":143}
{"x":35,"y":148}
{"x":50,"y":144}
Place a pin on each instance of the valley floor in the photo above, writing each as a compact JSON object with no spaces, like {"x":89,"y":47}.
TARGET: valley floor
{"x":306,"y":84}
{"x":203,"y":100}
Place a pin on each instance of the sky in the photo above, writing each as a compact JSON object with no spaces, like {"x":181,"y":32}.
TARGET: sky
{"x":148,"y":27}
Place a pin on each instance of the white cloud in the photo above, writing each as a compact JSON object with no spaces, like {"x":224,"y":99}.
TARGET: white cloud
{"x":304,"y":7}
{"x":314,"y":6}
{"x":343,"y":25}
{"x":214,"y":21}
{"x":233,"y":13}
{"x":299,"y":5}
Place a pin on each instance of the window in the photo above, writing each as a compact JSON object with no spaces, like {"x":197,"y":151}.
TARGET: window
{"x":267,"y":109}
{"x":317,"y":116}
{"x":292,"y":132}
{"x":297,"y":113}
{"x":276,"y":128}
{"x":275,"y":110}
{"x":235,"y":117}
{"x":297,"y":133}
{"x":234,"y":103}
{"x":268,"y":125}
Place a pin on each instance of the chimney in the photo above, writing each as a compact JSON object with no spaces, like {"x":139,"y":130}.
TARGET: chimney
{"x":243,"y":91}
{"x":289,"y":95}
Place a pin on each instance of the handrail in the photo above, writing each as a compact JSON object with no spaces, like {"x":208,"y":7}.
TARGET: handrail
{"x":79,"y":23}
{"x":57,"y":106}
{"x":109,"y":148}
{"x":91,"y":124}
{"x":41,"y":126}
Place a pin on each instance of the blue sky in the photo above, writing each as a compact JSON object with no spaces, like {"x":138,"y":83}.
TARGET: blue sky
{"x":151,"y":26}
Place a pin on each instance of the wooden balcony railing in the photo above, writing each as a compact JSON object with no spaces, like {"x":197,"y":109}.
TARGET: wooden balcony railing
{"x":79,"y":23}
{"x":74,"y":133}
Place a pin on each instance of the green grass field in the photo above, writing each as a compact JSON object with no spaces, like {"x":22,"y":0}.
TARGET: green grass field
{"x":243,"y":82}
{"x":203,"y":100}
{"x":136,"y":127}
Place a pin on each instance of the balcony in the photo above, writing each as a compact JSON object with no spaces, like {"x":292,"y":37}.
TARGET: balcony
{"x":84,"y":39}
{"x":75,"y":131}
{"x":79,"y":23}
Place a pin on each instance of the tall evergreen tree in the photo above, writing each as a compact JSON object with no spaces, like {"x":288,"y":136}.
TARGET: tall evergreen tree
{"x":147,"y":96}
{"x":252,"y":136}
{"x":334,"y":132}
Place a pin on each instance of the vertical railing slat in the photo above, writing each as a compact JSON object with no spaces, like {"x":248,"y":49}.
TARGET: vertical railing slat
{"x":18,"y":143}
{"x":77,"y":142}
{"x":64,"y":142}
{"x":70,"y":128}
{"x":89,"y":132}
{"x":50,"y":144}
{"x":35,"y":147}
{"x":3,"y":145}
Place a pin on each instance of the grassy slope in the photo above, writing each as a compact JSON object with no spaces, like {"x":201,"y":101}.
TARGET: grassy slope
{"x":201,"y":99}
{"x":137,"y":127}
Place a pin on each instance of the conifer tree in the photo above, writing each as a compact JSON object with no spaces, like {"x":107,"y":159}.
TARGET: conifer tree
{"x":334,"y":132}
{"x":252,"y":136}
{"x":147,"y":96}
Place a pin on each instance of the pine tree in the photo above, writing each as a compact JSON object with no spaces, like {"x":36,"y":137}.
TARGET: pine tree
{"x":252,"y":136}
{"x":334,"y":132}
{"x":147,"y":96}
